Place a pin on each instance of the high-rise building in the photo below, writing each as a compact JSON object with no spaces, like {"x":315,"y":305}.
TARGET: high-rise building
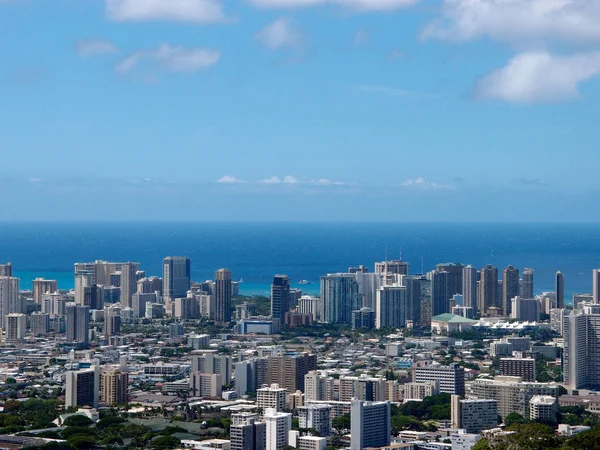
{"x":339,"y":297}
{"x":9,"y":298}
{"x":368,"y":283}
{"x":510,"y":288}
{"x":455,"y":277}
{"x":581,"y":354}
{"x":473,"y":415}
{"x":392,"y":307}
{"x":206,"y":385}
{"x":370,"y":424}
{"x":6,"y":270}
{"x":77,"y":323}
{"x":512,"y":393}
{"x":42,"y":286}
{"x":363,"y":318}
{"x":363,"y":387}
{"x":128,"y":282}
{"x":596,"y":285}
{"x":280,"y":297}
{"x":317,"y":386}
{"x":139,"y":301}
{"x":527,"y":283}
{"x":518,"y":367}
{"x":279,"y":424}
{"x":40,"y":323}
{"x":114,"y":387}
{"x":223,"y":296}
{"x":211,"y":363}
{"x":83,"y":388}
{"x":245,"y":377}
{"x":288,"y":370}
{"x":101,"y":270}
{"x":560,"y":290}
{"x":271,"y":397}
{"x":469,"y":292}
{"x":420,"y":391}
{"x":440,"y":292}
{"x":525,"y":309}
{"x":247,"y":433}
{"x":316,"y":416}
{"x":396,"y":267}
{"x":16,"y":325}
{"x":488,"y":289}
{"x":451,"y":378}
{"x":176,"y":277}
{"x":543,"y":408}
{"x":112,"y":322}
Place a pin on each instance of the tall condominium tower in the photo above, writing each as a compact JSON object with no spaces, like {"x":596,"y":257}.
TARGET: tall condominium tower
{"x":596,"y":286}
{"x":581,"y":354}
{"x":560,"y":290}
{"x":527,"y":283}
{"x":370,"y":424}
{"x":510,"y":288}
{"x":9,"y":298}
{"x":455,"y":276}
{"x":440,"y":292}
{"x":397,"y":267}
{"x":176,"y":277}
{"x":469,"y":291}
{"x":114,"y":387}
{"x":77,"y":323}
{"x":488,"y":289}
{"x":392,"y":310}
{"x":41,"y":286}
{"x":223,"y":296}
{"x":280,"y":297}
{"x":6,"y":270}
{"x":128,"y":283}
{"x":339,"y":297}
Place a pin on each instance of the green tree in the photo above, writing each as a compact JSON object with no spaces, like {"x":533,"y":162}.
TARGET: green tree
{"x":82,"y":441}
{"x":514,"y":418}
{"x":164,"y":442}
{"x":77,"y":421}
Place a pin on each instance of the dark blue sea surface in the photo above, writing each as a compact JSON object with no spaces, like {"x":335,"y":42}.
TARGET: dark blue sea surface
{"x":257,"y":251}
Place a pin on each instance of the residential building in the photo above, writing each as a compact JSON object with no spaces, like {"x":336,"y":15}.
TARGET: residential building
{"x":363,"y":387}
{"x":339,"y":297}
{"x":279,"y":424}
{"x":247,"y":433}
{"x":212,"y":363}
{"x":527,"y":286}
{"x":501,"y":348}
{"x":16,"y":326}
{"x":82,"y":388}
{"x":581,"y":353}
{"x":473,"y":415}
{"x":245,"y":377}
{"x":176,"y":277}
{"x":271,"y":397}
{"x":560,"y":290}
{"x":488,"y":289}
{"x":9,"y":298}
{"x":114,"y":387}
{"x":128,"y":282}
{"x":370,"y":424}
{"x":317,"y":386}
{"x":396,"y":267}
{"x":451,"y":378}
{"x":363,"y":318}
{"x":543,"y":408}
{"x":461,"y":440}
{"x":518,"y":367}
{"x":391,"y":307}
{"x":6,"y":270}
{"x":440,"y":292}
{"x":596,"y":286}
{"x":223,"y":296}
{"x":42,"y":286}
{"x":316,"y":417}
{"x":469,"y":291}
{"x":288,"y":370}
{"x":40,"y":323}
{"x":510,"y":288}
{"x":311,"y":443}
{"x":512,"y":393}
{"x":280,"y":297}
{"x":368,"y":283}
{"x":77,"y":323}
{"x":206,"y":385}
{"x":419,"y":391}
{"x":525,"y":309}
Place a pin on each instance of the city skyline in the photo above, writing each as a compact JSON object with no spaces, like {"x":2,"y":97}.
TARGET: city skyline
{"x":333,"y":108}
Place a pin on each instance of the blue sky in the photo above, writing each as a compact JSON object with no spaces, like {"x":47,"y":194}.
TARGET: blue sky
{"x":435,"y":110}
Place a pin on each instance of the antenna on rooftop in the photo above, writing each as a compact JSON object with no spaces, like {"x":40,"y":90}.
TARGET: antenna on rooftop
{"x":400,"y":253}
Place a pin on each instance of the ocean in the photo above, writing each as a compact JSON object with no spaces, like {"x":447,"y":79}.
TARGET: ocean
{"x":304,"y":251}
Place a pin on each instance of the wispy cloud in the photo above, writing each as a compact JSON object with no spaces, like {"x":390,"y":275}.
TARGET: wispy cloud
{"x":281,"y":33}
{"x":33,"y":179}
{"x":328,"y":182}
{"x":361,"y":37}
{"x":95,"y":47}
{"x":420,"y":183}
{"x":531,"y":182}
{"x":276,"y":180}
{"x":196,"y":11}
{"x":539,"y":77}
{"x":395,"y":92}
{"x":356,"y":5}
{"x":174,"y":59}
{"x":228,"y":179}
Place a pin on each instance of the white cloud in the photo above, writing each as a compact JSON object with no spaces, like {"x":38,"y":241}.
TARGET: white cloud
{"x":327,"y":182}
{"x":196,"y":11}
{"x":282,"y":33}
{"x":35,"y":180}
{"x":420,"y":183}
{"x":357,"y":5}
{"x":516,"y":21}
{"x":95,"y":47}
{"x":175,"y":59}
{"x":539,"y":77}
{"x":228,"y":179}
{"x":288,"y":179}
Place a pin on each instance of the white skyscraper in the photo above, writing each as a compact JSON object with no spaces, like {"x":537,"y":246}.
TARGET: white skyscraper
{"x":469,"y":292}
{"x":279,"y":425}
{"x":83,"y":388}
{"x":16,"y":325}
{"x":581,"y":360}
{"x":392,"y":307}
{"x":9,"y":298}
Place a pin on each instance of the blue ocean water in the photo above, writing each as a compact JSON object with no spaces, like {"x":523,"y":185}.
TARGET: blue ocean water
{"x":257,"y":251}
